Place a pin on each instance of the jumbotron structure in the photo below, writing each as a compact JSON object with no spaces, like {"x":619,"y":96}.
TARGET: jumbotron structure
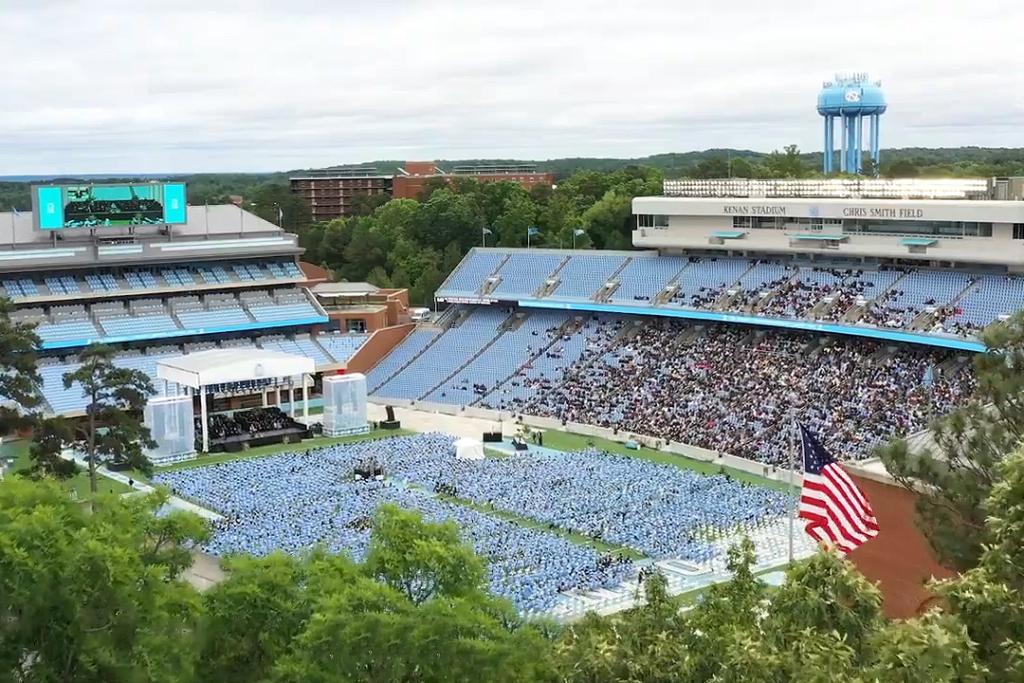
{"x":849,"y":98}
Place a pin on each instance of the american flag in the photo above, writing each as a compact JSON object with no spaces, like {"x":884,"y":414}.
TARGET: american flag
{"x":836,"y":511}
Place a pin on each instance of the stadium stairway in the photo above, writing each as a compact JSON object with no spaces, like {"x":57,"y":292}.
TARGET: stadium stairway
{"x":511,"y":323}
{"x":569,"y":327}
{"x":492,"y":281}
{"x":604,"y":294}
{"x":460,"y":315}
{"x":552,"y":281}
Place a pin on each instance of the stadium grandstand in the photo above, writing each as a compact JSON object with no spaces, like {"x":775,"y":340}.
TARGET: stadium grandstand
{"x":742,"y":298}
{"x":222,"y":278}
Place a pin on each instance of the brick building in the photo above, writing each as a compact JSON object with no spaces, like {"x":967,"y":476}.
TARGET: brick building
{"x":329,"y":191}
{"x":410,"y":179}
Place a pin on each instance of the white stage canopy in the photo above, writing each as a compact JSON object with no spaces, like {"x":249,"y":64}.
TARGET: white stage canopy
{"x":219,"y":367}
{"x":469,"y":449}
{"x":224,"y":366}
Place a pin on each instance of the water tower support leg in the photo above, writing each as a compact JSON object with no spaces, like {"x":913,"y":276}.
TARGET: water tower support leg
{"x":860,"y":143}
{"x":876,"y":139}
{"x":828,"y":145}
{"x":842,"y":144}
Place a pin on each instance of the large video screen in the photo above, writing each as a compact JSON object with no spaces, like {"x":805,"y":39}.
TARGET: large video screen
{"x":95,"y":206}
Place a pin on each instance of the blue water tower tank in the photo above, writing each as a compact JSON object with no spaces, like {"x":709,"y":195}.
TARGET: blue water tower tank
{"x":851,"y":99}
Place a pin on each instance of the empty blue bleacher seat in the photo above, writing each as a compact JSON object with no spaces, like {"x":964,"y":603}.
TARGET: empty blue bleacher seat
{"x":584,"y":274}
{"x":472,"y":272}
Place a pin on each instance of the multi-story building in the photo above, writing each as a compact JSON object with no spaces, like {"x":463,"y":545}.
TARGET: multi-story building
{"x":330,"y":191}
{"x":411,"y":178}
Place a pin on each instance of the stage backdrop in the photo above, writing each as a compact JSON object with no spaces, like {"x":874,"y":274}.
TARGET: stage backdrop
{"x":899,"y":559}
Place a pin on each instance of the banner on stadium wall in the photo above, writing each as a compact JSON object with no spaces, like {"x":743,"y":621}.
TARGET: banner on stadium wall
{"x":465,"y":300}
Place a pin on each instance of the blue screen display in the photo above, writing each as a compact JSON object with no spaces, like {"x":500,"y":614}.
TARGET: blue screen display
{"x":97,"y":206}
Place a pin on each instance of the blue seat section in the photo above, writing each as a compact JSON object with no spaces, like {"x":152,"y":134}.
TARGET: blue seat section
{"x":454,"y":348}
{"x":912,"y":294}
{"x":993,"y":296}
{"x":341,"y":346}
{"x":103,"y":282}
{"x":471,"y":273}
{"x":583,"y":275}
{"x":61,"y":400}
{"x":20,"y":288}
{"x":214,"y":276}
{"x":62,"y":285}
{"x":178,"y":277}
{"x":70,"y":330}
{"x":523,"y":274}
{"x":645,"y":276}
{"x":292,"y":270}
{"x":399,"y":356}
{"x":127,"y":325}
{"x":247,"y":272}
{"x":763,"y":277}
{"x":705,"y":280}
{"x":548,"y":369}
{"x":277,"y":312}
{"x":142,"y":279}
{"x":501,"y":359}
{"x":218,"y":317}
{"x":64,"y":401}
{"x":298,"y":347}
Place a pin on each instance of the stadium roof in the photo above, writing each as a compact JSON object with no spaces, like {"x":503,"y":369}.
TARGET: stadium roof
{"x":218,"y":219}
{"x":224,"y":366}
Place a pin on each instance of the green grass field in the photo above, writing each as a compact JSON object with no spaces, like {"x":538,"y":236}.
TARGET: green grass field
{"x":79,"y":483}
{"x":564,"y":441}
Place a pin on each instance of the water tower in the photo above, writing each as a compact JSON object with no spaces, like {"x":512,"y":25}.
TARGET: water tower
{"x":849,"y":98}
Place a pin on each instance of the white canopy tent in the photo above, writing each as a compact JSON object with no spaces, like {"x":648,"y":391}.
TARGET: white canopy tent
{"x":469,"y":449}
{"x":218,"y":367}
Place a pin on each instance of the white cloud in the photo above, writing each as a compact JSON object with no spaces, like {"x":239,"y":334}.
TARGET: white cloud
{"x":114,"y":86}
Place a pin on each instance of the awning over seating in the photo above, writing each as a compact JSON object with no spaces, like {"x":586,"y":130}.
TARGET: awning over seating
{"x":917,"y":241}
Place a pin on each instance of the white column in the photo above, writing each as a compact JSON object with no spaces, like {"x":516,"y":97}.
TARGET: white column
{"x":278,"y":390}
{"x":203,"y":418}
{"x":305,"y":399}
{"x":291,"y":397}
{"x":263,"y":392}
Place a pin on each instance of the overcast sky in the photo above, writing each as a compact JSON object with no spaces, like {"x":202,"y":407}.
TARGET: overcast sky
{"x":98,"y":86}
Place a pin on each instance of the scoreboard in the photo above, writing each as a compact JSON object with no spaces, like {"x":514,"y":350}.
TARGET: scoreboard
{"x":59,"y":207}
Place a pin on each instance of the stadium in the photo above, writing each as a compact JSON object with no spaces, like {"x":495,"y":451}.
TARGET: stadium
{"x":851,"y":306}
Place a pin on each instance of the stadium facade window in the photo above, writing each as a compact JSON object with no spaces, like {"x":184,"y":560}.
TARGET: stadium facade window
{"x":1018,"y":231}
{"x":355,"y":325}
{"x":651,"y":221}
{"x":918,"y":228}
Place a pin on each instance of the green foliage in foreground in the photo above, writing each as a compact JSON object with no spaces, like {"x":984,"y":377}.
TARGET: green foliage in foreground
{"x":97,"y":597}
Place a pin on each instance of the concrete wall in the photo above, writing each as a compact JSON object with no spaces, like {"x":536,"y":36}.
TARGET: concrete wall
{"x":377,"y":346}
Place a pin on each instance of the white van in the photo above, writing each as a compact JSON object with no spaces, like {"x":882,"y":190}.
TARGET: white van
{"x":419,"y":315}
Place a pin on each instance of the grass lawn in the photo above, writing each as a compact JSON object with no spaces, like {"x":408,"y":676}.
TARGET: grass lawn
{"x":79,"y":483}
{"x":564,"y":441}
{"x":263,"y":451}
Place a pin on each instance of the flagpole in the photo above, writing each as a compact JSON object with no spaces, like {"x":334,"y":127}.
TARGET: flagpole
{"x":483,"y":237}
{"x":792,"y":483}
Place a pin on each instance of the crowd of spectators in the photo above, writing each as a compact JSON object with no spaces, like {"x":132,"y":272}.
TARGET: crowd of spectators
{"x":295,"y":501}
{"x":246,"y":423}
{"x":796,"y":298}
{"x":887,"y":310}
{"x":736,"y":390}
